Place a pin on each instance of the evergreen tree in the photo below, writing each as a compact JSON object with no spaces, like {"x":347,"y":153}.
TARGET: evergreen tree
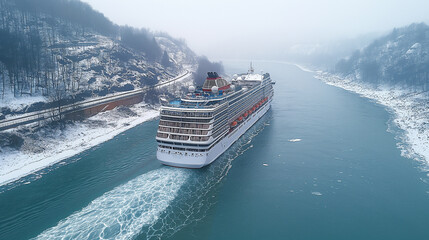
{"x":165,"y":60}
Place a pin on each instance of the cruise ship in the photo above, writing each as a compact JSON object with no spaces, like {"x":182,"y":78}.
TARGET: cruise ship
{"x":197,"y":128}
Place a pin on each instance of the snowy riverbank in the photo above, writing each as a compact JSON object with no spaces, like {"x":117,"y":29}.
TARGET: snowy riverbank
{"x":58,"y":144}
{"x":409,"y":109}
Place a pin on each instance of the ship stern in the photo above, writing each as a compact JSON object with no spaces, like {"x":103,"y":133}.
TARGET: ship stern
{"x":182,"y":159}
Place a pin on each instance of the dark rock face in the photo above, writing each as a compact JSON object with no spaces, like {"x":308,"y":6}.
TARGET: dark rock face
{"x":11,"y":140}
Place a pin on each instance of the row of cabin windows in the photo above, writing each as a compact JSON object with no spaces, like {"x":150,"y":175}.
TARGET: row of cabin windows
{"x":220,"y":131}
{"x":219,"y":125}
{"x":187,"y":120}
{"x":183,"y":138}
{"x":179,"y":137}
{"x":220,"y":109}
{"x":184,"y":149}
{"x":184,"y":125}
{"x":183,"y":131}
{"x":199,"y":139}
{"x":162,"y":135}
{"x":246,"y":103}
{"x":187,"y":114}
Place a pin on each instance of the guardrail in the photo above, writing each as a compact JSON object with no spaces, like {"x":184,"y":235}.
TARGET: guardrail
{"x":54,"y":112}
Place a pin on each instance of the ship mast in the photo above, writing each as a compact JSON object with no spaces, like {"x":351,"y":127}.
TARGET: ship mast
{"x":251,"y":70}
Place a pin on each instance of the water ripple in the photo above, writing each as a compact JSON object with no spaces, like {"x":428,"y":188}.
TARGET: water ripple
{"x":122,"y":212}
{"x":198,"y":195}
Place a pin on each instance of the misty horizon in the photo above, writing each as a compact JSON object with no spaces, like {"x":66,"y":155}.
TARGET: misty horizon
{"x":265,"y":30}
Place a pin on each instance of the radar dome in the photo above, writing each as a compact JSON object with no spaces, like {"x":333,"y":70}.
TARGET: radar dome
{"x":215,"y":89}
{"x":191,"y":89}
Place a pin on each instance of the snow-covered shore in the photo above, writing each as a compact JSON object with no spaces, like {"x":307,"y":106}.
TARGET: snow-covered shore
{"x":48,"y":146}
{"x":410,"y":111}
{"x":59,"y":144}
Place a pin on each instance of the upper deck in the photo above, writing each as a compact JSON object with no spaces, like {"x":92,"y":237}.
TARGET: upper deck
{"x":205,"y":98}
{"x":197,"y":100}
{"x":204,"y":115}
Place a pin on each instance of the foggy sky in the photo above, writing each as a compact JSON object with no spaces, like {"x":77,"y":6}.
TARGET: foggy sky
{"x":262,"y":29}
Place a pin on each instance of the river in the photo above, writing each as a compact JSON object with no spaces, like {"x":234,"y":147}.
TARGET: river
{"x":321,"y":164}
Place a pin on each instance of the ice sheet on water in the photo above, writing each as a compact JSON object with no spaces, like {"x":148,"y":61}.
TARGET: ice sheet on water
{"x":122,"y":212}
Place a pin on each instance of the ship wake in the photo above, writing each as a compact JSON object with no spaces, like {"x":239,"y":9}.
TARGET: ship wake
{"x":154,"y":205}
{"x":197,"y":196}
{"x":122,"y":212}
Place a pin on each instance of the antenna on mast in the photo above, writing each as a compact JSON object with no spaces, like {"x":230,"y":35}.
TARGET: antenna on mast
{"x":251,"y":70}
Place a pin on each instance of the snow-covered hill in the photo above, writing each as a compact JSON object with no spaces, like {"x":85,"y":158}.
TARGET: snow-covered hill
{"x":399,"y":59}
{"x":394,"y":72}
{"x":49,"y":52}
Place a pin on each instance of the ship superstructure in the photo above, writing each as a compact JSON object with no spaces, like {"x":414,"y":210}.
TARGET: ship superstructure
{"x":197,"y":128}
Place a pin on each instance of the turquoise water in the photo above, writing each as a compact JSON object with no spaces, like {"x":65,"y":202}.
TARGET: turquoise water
{"x":320,"y":165}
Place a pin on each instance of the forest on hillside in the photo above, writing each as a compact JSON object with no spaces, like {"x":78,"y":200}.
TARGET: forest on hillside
{"x":50,"y":47}
{"x":400,"y":58}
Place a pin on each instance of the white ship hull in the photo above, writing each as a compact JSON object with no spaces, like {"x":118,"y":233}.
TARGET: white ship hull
{"x":188,"y":159}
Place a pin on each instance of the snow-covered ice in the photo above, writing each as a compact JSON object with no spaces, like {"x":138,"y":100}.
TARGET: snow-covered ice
{"x":74,"y":139}
{"x":410,"y":110}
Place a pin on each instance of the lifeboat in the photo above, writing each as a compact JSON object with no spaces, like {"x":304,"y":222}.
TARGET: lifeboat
{"x":240,"y":119}
{"x":233,"y":124}
{"x":245,"y":115}
{"x":253,"y":109}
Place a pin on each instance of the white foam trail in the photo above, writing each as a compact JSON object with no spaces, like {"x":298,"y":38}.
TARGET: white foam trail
{"x":122,"y":212}
{"x":295,"y":140}
{"x":197,"y":196}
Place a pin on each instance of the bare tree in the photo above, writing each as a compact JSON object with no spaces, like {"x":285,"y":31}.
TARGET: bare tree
{"x":57,"y":99}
